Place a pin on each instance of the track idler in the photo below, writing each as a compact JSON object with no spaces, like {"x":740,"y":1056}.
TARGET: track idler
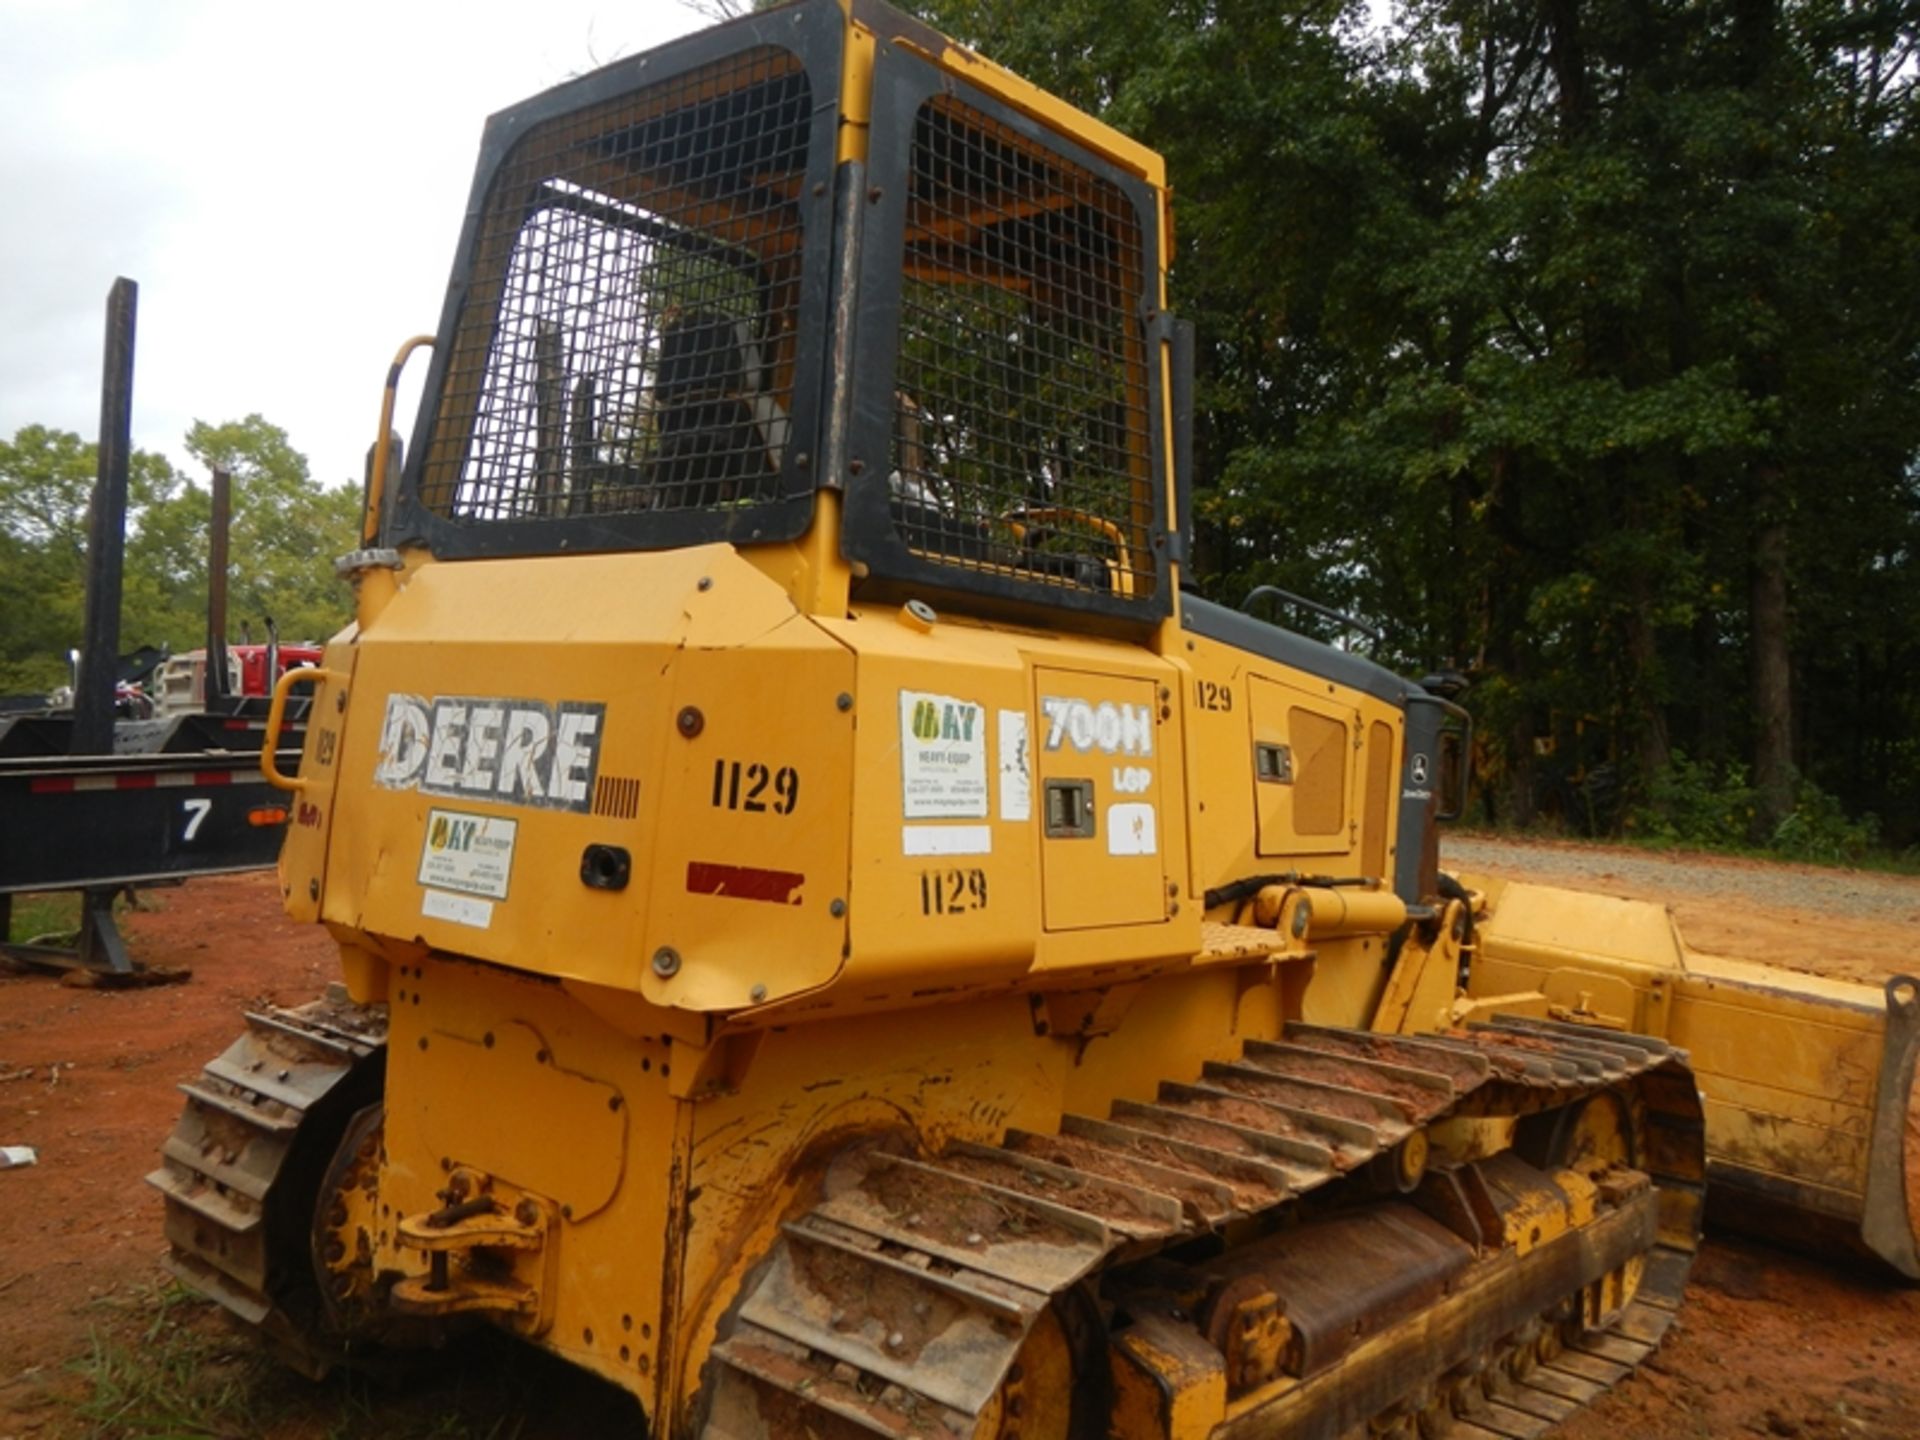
{"x":247,"y":1162}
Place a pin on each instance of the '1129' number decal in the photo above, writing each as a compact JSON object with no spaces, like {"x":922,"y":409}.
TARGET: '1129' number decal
{"x":952,"y":892}
{"x":740,"y":785}
{"x":1209,"y":696}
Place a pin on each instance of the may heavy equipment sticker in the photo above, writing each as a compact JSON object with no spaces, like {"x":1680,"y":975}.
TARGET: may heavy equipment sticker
{"x":515,"y":752}
{"x":943,"y":757}
{"x":469,"y":853}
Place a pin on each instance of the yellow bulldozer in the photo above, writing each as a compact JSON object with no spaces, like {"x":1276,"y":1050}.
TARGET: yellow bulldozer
{"x":838,"y":943}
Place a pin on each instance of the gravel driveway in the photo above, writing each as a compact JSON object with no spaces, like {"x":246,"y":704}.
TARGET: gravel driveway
{"x":1852,"y":893}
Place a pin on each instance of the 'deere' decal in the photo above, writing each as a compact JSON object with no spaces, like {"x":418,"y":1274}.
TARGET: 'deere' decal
{"x":514,"y":752}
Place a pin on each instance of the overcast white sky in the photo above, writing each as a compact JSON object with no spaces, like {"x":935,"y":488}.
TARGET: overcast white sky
{"x":285,"y":182}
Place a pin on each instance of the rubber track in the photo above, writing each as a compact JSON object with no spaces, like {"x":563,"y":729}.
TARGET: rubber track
{"x":1239,"y":1141}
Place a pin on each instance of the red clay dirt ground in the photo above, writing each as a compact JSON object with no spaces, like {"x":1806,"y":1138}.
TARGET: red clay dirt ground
{"x":93,"y":1344}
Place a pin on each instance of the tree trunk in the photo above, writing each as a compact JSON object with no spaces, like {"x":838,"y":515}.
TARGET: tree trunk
{"x":1772,"y":689}
{"x":1652,"y":744}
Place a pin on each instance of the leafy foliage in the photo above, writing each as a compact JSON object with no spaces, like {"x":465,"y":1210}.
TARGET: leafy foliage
{"x":1689,"y":803}
{"x":1578,"y":345}
{"x":1818,"y":829}
{"x":286,"y":530}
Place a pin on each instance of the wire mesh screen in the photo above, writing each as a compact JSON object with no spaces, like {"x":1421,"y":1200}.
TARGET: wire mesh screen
{"x":628,"y":340}
{"x":1020,"y":440}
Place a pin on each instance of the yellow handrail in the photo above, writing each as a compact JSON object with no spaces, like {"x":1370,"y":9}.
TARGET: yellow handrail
{"x":1018,"y":520}
{"x":276,"y":716}
{"x":377,"y":485}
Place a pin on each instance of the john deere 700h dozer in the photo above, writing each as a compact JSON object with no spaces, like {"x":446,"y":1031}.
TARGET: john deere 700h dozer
{"x":834,"y":940}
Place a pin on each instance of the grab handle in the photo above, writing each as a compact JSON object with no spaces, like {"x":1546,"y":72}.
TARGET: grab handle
{"x":276,"y":715}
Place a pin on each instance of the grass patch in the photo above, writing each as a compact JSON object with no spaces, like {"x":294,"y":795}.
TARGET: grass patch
{"x":54,"y":918}
{"x":167,"y":1365}
{"x":153,"y":1372}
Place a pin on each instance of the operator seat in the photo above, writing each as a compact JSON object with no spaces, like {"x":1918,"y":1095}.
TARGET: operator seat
{"x":721,"y":433}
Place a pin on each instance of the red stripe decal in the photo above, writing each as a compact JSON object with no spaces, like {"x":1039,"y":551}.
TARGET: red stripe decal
{"x":51,"y":785}
{"x":133,"y":782}
{"x":744,"y":882}
{"x":213,"y":777}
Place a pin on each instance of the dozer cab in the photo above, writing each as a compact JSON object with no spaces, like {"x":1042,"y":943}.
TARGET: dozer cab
{"x":834,"y":940}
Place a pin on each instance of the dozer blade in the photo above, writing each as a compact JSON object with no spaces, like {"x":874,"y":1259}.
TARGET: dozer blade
{"x":1813,"y":1124}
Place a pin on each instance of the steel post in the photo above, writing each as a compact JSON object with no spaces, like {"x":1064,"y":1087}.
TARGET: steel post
{"x":107,"y":532}
{"x":100,"y":947}
{"x":216,"y":681}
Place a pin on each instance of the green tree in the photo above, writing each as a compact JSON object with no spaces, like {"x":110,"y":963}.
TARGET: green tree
{"x":286,"y":531}
{"x":1577,"y":343}
{"x":46,"y":486}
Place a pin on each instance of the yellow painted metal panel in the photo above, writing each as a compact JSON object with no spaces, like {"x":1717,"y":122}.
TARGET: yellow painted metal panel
{"x":1789,"y":1063}
{"x":1319,"y":772}
{"x":1543,"y":922}
{"x":1219,"y":764}
{"x":1376,"y":813}
{"x":1304,"y":812}
{"x":555,"y":1134}
{"x":1100,"y":732}
{"x":1347,"y":978}
{"x":303,"y":854}
{"x":1773,"y":1143}
{"x":911,"y":943}
{"x":482,"y":643}
{"x":944,"y":889}
{"x":748,"y":899}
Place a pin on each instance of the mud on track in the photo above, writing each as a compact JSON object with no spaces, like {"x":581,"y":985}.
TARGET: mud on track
{"x":1771,"y":1344}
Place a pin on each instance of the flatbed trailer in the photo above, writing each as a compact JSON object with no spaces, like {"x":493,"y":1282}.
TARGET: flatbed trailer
{"x":49,"y":736}
{"x":98,"y":804}
{"x":102,"y":823}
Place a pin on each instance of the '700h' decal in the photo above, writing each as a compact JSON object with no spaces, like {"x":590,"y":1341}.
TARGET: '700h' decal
{"x":1113,"y":729}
